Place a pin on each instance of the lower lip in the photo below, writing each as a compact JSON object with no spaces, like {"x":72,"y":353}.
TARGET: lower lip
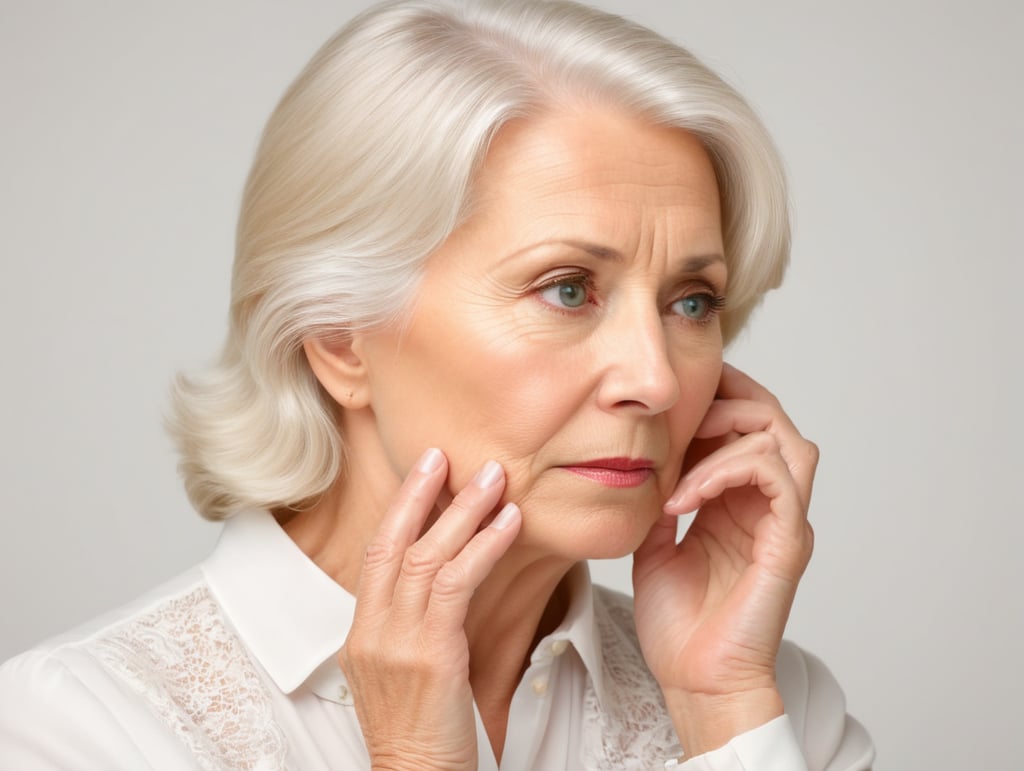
{"x":610,"y":477}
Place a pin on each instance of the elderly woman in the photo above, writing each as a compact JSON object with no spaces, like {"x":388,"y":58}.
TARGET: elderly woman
{"x":488,"y":258}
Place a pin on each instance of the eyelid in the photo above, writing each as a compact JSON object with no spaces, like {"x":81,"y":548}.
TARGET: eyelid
{"x":687,"y":285}
{"x":575,"y":275}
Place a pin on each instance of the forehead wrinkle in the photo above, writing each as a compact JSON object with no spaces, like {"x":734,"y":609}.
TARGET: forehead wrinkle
{"x":551,"y":190}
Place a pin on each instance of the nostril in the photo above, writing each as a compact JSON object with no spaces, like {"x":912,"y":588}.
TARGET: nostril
{"x":631,"y":403}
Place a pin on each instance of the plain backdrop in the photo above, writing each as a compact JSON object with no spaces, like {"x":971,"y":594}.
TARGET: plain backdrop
{"x":127,"y":129}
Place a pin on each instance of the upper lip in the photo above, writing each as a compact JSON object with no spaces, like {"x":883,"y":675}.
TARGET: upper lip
{"x":618,"y":464}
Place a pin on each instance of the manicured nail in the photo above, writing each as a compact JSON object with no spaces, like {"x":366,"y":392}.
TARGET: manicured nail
{"x":506,"y":516}
{"x":488,"y":475}
{"x":430,"y":461}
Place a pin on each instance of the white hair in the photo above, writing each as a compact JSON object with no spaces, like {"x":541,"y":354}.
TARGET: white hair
{"x":366,"y":166}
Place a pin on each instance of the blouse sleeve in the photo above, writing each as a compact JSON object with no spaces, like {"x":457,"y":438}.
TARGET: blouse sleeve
{"x":815,"y":734}
{"x":61,"y":712}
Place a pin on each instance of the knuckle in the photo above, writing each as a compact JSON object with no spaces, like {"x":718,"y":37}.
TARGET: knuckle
{"x":354,"y":655}
{"x":764,"y":443}
{"x":345,"y":658}
{"x":809,"y":544}
{"x":382,"y":661}
{"x":422,"y":558}
{"x":813,"y":453}
{"x":380,"y":551}
{"x":450,"y":581}
{"x":463,"y":503}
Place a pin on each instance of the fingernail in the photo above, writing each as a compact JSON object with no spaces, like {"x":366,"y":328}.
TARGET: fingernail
{"x":506,"y":516}
{"x":681,"y":493}
{"x":430,"y":461}
{"x":675,"y":501}
{"x":488,"y":475}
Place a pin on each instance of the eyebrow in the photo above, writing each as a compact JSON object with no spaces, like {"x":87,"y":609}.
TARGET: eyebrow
{"x":693,"y":264}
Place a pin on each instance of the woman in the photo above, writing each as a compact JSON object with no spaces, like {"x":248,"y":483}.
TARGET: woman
{"x":488,"y":258}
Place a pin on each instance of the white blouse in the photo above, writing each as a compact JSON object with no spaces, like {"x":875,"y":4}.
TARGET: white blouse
{"x":233,"y":665}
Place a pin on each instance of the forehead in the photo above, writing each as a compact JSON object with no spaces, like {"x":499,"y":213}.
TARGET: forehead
{"x":592,"y":146}
{"x":596,"y":168}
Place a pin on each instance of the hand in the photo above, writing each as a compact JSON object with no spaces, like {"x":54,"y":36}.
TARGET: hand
{"x":710,"y":611}
{"x":406,"y":657}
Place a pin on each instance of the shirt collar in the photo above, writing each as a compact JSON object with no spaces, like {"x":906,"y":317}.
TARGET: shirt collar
{"x":294,"y":618}
{"x":291,"y":615}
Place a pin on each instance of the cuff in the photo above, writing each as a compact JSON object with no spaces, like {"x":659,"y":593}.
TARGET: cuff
{"x":770,"y":747}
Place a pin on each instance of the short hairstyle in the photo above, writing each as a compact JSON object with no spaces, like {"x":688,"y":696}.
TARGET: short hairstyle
{"x":366,"y":166}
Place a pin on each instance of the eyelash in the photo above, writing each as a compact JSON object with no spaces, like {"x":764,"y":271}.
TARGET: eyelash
{"x":716,"y":302}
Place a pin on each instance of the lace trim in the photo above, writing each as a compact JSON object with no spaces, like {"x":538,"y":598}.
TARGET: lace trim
{"x":632,"y":728}
{"x":192,"y":670}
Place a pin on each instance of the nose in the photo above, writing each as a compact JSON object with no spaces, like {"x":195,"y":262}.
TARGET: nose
{"x":637,"y":371}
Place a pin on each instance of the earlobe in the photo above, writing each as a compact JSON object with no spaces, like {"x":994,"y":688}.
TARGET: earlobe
{"x":336,"y":363}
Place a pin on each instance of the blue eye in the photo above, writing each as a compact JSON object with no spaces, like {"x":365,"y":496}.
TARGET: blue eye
{"x":698,"y":307}
{"x":568,"y":293}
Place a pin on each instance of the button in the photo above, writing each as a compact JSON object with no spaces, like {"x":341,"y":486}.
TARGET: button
{"x":344,"y":695}
{"x":558,"y":647}
{"x":539,"y":685}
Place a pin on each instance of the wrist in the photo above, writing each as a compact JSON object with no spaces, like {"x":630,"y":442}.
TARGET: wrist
{"x":411,"y":764}
{"x":411,"y":761}
{"x":705,"y":722}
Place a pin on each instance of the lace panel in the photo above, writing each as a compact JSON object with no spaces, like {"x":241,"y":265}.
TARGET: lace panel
{"x":192,"y":670}
{"x":632,"y":728}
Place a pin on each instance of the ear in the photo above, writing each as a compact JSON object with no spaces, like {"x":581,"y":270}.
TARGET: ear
{"x":340,"y":369}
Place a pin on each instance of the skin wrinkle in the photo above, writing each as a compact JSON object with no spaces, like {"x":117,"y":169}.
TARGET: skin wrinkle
{"x":488,"y":370}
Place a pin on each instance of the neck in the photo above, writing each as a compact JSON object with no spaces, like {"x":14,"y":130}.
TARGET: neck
{"x":518,"y":604}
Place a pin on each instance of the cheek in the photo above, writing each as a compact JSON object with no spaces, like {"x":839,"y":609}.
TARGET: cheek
{"x":698,"y":383}
{"x":490,"y":395}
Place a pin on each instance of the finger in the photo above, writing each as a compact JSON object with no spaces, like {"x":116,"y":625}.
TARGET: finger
{"x":454,"y":584}
{"x":445,"y":539}
{"x":733,"y":385}
{"x":759,"y":443}
{"x":767,"y":473}
{"x":400,"y":526}
{"x":744,"y":416}
{"x":702,"y":448}
{"x":736,"y":384}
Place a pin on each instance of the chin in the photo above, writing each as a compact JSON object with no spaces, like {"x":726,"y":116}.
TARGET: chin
{"x":606,"y":532}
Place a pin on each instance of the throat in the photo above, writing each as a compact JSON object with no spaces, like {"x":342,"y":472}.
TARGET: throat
{"x":495,"y":719}
{"x":495,"y":677}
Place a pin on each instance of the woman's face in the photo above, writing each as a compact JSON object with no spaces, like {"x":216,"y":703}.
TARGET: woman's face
{"x":567,"y":330}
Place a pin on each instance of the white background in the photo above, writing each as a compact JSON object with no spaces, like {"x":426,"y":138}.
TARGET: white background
{"x":127,"y":129}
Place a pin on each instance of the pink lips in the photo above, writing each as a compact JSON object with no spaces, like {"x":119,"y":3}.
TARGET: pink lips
{"x":615,"y":472}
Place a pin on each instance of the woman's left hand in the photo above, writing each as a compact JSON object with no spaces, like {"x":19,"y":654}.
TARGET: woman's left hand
{"x":711,"y":610}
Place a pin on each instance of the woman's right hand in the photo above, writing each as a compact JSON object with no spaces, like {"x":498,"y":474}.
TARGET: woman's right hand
{"x":406,"y":656}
